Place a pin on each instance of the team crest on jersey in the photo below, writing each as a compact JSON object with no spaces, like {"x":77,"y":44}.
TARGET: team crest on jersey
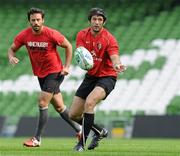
{"x":99,"y":46}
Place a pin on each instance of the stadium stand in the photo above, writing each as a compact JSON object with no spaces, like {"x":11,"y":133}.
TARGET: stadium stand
{"x":149,"y":40}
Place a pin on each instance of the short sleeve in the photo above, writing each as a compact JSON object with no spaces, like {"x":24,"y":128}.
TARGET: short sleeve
{"x":79,"y":39}
{"x":113,"y":47}
{"x":58,"y":37}
{"x":19,"y":39}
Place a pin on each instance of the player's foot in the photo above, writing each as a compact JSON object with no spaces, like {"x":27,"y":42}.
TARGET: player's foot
{"x":79,"y":147}
{"x":78,"y":136}
{"x":96,"y":138}
{"x":33,"y":142}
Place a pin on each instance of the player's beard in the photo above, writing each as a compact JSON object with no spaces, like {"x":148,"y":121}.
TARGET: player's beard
{"x":37,"y":28}
{"x":96,"y":29}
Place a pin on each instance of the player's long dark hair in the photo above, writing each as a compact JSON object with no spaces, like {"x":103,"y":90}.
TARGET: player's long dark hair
{"x":96,"y":11}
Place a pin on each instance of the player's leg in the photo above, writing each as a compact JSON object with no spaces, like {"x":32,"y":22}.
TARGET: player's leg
{"x":44,"y":100}
{"x":48,"y":85}
{"x":93,"y":98}
{"x":75,"y":113}
{"x":108,"y":84}
{"x":58,"y":104}
{"x":77,"y":109}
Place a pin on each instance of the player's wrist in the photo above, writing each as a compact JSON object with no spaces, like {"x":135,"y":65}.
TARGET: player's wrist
{"x":66,"y":65}
{"x":11,"y":57}
{"x":116,"y":65}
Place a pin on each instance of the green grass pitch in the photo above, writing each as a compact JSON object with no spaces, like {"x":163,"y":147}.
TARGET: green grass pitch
{"x":108,"y":147}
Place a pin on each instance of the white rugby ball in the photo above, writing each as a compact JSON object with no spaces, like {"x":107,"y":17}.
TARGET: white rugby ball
{"x":83,"y":58}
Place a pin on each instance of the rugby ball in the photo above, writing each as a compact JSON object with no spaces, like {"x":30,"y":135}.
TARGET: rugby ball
{"x":83,"y":58}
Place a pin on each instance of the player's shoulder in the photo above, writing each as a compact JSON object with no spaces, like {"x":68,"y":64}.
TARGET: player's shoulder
{"x":107,"y":32}
{"x":25,"y":31}
{"x":47,"y":29}
{"x":108,"y":35}
{"x":84,"y":31}
{"x":50,"y":31}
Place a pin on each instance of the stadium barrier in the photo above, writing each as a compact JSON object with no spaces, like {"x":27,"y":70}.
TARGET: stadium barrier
{"x":2,"y":121}
{"x":56,"y":127}
{"x":156,"y":127}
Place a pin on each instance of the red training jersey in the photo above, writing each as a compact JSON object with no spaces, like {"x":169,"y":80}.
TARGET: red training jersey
{"x":42,"y":50}
{"x":101,"y":47}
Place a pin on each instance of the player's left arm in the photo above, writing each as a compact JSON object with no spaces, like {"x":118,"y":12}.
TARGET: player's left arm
{"x":117,"y":65}
{"x":113,"y":51}
{"x":68,"y":50}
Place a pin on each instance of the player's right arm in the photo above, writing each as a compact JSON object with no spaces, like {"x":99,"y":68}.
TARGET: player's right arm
{"x":18,"y":42}
{"x":79,"y":39}
{"x":12,"y":54}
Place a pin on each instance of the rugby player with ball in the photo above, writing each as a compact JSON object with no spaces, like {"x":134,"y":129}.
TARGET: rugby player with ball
{"x":100,"y":78}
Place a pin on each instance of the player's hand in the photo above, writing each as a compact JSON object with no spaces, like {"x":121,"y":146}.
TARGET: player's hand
{"x":119,"y":67}
{"x":65,"y":70}
{"x":13,"y":60}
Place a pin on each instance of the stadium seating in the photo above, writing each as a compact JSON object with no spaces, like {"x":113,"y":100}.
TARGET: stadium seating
{"x":149,"y":45}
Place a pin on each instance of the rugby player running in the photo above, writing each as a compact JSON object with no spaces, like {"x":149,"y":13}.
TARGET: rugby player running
{"x":41,"y":43}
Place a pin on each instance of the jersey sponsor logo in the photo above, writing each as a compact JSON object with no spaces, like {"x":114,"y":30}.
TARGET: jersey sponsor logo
{"x":41,"y":46}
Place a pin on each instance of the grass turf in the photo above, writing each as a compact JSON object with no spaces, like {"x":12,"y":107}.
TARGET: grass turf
{"x":108,"y":147}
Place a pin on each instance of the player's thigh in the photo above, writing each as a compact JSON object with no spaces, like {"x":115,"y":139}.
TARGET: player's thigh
{"x":96,"y":95}
{"x":77,"y":107}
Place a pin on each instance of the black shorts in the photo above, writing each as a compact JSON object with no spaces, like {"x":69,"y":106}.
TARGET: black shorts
{"x":51,"y":82}
{"x":90,"y":82}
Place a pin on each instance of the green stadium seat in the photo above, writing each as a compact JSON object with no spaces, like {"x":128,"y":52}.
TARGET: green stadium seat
{"x":174,"y":108}
{"x":160,"y":61}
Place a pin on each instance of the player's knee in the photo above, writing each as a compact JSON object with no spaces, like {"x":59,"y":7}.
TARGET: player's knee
{"x":89,"y":105}
{"x":73,"y":116}
{"x":42,"y":103}
{"x":59,"y":109}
